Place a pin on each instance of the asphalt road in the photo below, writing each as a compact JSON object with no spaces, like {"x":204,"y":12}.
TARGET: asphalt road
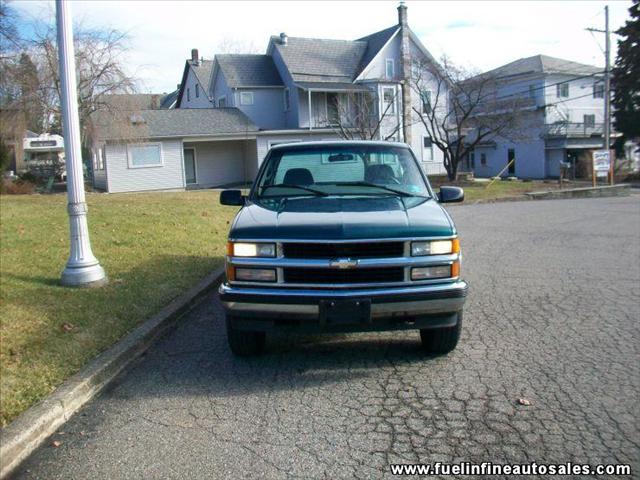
{"x":553,"y":317}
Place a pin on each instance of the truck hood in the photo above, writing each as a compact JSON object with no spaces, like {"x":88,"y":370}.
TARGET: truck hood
{"x":341,"y":218}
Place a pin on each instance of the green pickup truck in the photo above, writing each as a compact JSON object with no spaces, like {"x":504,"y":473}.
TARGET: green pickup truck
{"x":342,"y":236}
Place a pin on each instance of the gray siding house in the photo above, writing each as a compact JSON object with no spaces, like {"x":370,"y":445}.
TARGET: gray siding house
{"x":236,"y":107}
{"x":173,"y":149}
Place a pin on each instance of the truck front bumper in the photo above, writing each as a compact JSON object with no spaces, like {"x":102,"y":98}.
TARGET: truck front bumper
{"x":424,"y":306}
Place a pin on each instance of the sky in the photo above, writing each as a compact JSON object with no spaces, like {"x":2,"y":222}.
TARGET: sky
{"x":477,"y":35}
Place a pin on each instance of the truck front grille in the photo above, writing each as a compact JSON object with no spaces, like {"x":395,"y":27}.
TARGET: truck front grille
{"x":331,"y":275}
{"x":348,"y":250}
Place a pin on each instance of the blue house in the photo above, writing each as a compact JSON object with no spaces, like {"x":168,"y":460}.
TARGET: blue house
{"x":562,"y":119}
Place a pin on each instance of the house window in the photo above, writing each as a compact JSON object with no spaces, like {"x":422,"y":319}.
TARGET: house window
{"x":197,"y":91}
{"x":246,"y":98}
{"x":388,"y":68}
{"x":427,"y":149}
{"x":222,"y":102}
{"x":388,"y":100}
{"x":188,"y":94}
{"x":426,"y":101}
{"x":287,"y":100}
{"x":532,"y":91}
{"x":598,"y":90}
{"x":589,"y":120}
{"x":483,"y":159}
{"x":145,"y":155}
{"x":562,"y":90}
{"x":472,"y":160}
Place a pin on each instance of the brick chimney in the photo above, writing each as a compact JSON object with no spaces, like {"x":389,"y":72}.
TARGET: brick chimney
{"x":194,"y":56}
{"x":405,"y":71}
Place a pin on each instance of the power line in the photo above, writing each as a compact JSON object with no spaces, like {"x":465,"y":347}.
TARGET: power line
{"x":543,"y":87}
{"x":566,"y":100}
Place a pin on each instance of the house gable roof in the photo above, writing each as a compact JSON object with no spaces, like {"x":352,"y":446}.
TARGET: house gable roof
{"x":543,"y":64}
{"x":375,"y":43}
{"x":202,"y":71}
{"x":248,"y":70}
{"x":175,"y":122}
{"x":334,"y":61}
{"x":320,"y":60}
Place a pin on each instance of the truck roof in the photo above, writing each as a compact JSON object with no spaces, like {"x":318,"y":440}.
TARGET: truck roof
{"x":342,"y":143}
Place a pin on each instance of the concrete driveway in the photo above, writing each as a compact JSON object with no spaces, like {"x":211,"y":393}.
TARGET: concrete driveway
{"x":553,"y":317}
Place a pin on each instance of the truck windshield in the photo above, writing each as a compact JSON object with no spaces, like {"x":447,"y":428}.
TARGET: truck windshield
{"x":331,"y":170}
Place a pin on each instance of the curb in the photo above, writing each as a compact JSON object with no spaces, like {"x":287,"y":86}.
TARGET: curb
{"x":622,"y":189}
{"x":22,"y":436}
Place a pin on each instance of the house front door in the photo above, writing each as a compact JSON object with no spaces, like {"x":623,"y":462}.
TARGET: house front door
{"x":190,"y":166}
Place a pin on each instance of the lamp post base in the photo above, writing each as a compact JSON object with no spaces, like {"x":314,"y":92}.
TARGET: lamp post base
{"x":85,"y":277}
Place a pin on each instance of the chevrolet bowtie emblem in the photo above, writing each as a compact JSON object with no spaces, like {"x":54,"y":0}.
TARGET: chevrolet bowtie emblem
{"x":343,"y":263}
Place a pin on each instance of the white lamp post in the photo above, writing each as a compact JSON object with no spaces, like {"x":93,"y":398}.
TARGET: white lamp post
{"x":83,"y":268}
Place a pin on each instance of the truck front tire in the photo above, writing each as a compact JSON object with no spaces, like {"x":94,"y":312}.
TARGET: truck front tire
{"x":441,"y":340}
{"x":244,"y":343}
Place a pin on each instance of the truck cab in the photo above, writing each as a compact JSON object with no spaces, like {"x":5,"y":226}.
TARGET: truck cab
{"x":342,"y":236}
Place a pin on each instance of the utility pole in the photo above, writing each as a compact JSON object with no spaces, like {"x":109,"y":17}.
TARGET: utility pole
{"x":607,"y":88}
{"x":82,"y":269}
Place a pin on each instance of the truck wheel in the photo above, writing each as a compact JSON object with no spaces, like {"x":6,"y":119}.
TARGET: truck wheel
{"x":244,"y":343}
{"x":441,"y":340}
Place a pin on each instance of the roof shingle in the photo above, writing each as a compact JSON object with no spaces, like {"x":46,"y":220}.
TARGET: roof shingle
{"x":321,"y":60}
{"x":543,"y":64}
{"x":180,"y":122}
{"x":249,"y":70}
{"x":202,"y":69}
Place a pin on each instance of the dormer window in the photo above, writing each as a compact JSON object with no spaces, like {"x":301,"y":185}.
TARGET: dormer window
{"x":389,"y":69}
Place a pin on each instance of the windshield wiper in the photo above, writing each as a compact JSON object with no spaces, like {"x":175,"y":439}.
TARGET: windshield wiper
{"x":319,"y":193}
{"x":402,"y":193}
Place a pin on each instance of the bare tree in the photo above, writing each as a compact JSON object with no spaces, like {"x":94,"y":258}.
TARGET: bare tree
{"x":99,"y":65}
{"x":234,"y":45}
{"x":356,"y":116}
{"x":460,"y":110}
{"x":9,"y":38}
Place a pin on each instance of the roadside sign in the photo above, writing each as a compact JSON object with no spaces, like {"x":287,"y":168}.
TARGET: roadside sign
{"x":601,"y":163}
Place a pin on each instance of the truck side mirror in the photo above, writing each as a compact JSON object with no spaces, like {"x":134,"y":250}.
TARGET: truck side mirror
{"x":232,"y":197}
{"x":450,"y":195}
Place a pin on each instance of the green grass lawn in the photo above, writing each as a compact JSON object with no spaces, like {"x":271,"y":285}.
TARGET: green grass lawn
{"x":153,"y":247}
{"x":499,"y":189}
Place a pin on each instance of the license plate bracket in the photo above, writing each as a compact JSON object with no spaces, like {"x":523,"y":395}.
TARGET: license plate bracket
{"x":345,"y":312}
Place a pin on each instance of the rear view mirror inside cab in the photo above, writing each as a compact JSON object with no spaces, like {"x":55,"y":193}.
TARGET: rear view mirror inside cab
{"x":341,"y":157}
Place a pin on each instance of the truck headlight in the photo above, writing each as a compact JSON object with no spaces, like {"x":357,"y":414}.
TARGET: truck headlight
{"x":435,"y":247}
{"x":243,"y":249}
{"x":256,"y":274}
